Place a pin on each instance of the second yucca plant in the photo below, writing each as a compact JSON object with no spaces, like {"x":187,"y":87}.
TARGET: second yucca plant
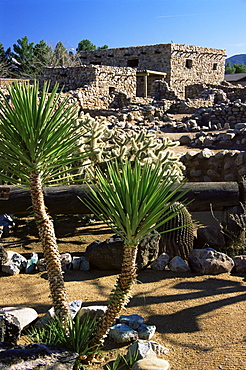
{"x":132,"y":199}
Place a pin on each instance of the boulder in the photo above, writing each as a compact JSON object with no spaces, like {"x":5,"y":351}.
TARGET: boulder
{"x":177,"y":264}
{"x":209,"y":262}
{"x":92,"y":310}
{"x":146,"y":332}
{"x":24,"y":315}
{"x":151,"y":363}
{"x":134,"y":321}
{"x":185,"y":139}
{"x":38,"y":356}
{"x":108,"y":255}
{"x":74,"y":308}
{"x":239,"y":264}
{"x":143,"y":348}
{"x":9,"y":328}
{"x":7,"y":223}
{"x":3,"y":255}
{"x":41,"y":265}
{"x":122,"y":333}
{"x":17,"y":259}
{"x":211,"y":236}
{"x":31,"y":263}
{"x":10,"y":268}
{"x":161,"y":262}
{"x":66,"y":261}
{"x":80,"y":263}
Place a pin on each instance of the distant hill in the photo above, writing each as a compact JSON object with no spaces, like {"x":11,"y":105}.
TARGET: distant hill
{"x":237,"y":59}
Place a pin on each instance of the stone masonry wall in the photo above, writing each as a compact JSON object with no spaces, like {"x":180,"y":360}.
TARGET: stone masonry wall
{"x":184,"y":64}
{"x":207,"y":166}
{"x":193,"y":64}
{"x":95,"y":84}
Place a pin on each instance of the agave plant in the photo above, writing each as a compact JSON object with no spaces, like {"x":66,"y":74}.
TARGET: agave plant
{"x":75,"y":336}
{"x":133,"y":201}
{"x":38,"y":140}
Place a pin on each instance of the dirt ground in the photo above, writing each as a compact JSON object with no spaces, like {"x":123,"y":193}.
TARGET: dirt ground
{"x":201,"y":319}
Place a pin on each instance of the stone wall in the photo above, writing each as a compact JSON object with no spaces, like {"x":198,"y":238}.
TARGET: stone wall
{"x":193,"y":64}
{"x":208,"y":166}
{"x":8,"y":81}
{"x":95,"y":86}
{"x":184,"y":64}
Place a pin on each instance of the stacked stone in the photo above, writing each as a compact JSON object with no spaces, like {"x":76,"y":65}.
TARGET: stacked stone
{"x":94,"y":84}
{"x":231,"y":139}
{"x":192,"y":65}
{"x":231,"y":113}
{"x":206,"y":166}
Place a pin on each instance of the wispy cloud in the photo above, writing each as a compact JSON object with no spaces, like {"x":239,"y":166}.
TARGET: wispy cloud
{"x":238,"y":45}
{"x":179,"y":15}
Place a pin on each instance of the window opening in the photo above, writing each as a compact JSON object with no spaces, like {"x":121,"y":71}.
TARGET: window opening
{"x":188,"y":63}
{"x":111,"y":89}
{"x":132,"y":63}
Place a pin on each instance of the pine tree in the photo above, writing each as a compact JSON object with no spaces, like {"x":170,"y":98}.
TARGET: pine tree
{"x":23,"y":58}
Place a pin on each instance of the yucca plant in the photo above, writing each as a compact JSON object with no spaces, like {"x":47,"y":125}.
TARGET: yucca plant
{"x":75,"y":336}
{"x":133,"y":200}
{"x":38,"y":140}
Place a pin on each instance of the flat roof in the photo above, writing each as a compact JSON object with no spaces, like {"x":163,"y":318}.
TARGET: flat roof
{"x":235,"y":77}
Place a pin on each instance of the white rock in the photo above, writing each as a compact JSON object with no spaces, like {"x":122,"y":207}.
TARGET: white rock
{"x":151,"y":363}
{"x":144,"y":348}
{"x":24,"y":315}
{"x":93,"y":310}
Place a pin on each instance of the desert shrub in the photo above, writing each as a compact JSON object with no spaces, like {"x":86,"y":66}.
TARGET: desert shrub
{"x":74,"y":336}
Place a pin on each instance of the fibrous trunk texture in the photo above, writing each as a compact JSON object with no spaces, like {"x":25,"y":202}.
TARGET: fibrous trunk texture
{"x":120,"y":294}
{"x":50,"y":249}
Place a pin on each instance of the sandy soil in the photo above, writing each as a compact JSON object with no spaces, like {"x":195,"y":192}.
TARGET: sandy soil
{"x":201,"y":319}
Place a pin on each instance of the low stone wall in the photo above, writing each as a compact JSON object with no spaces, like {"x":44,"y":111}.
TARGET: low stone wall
{"x":8,"y":81}
{"x":94,"y":86}
{"x":208,"y":166}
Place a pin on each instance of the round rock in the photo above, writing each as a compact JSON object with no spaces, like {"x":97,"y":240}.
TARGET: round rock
{"x":151,"y":363}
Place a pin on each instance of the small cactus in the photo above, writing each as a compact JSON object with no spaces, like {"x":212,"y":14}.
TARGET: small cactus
{"x":177,"y":242}
{"x":105,"y":144}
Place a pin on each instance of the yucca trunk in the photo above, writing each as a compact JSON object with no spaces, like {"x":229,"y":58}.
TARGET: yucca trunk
{"x":50,"y":249}
{"x":120,"y":294}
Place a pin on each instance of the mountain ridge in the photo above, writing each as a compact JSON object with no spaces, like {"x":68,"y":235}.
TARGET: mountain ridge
{"x":237,"y":59}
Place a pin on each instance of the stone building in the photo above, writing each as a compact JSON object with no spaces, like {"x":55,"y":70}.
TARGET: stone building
{"x":96,"y":86}
{"x":180,"y":66}
{"x":163,"y":71}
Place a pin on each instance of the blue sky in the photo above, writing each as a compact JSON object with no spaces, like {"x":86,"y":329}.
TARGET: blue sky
{"x":209,"y":23}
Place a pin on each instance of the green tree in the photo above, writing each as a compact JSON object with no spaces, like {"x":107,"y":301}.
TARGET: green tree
{"x":6,"y":65}
{"x":38,"y":139}
{"x":229,"y":69}
{"x":86,"y":44}
{"x":42,"y":55}
{"x":61,"y":55}
{"x":23,"y":57}
{"x":133,"y":200}
{"x":102,"y":47}
{"x":236,"y":68}
{"x":240,"y":68}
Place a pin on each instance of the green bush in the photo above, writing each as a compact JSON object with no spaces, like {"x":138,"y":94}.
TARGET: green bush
{"x":74,"y":336}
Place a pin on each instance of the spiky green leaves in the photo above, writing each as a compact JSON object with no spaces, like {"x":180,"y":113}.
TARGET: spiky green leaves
{"x":37,"y":133}
{"x":134,"y":199}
